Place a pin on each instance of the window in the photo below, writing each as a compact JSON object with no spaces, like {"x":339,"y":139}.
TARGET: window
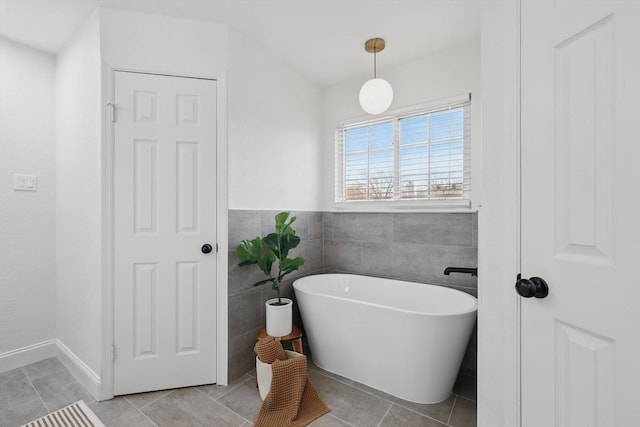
{"x":418,"y":158}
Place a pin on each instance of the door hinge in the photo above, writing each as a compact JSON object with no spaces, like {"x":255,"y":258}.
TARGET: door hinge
{"x":113,"y":353}
{"x":112,"y":111}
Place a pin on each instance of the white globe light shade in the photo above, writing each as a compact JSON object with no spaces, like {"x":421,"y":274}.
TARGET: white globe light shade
{"x":376,"y":96}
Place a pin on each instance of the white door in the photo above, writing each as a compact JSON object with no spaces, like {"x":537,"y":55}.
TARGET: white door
{"x":580,"y":212}
{"x":165,"y":212}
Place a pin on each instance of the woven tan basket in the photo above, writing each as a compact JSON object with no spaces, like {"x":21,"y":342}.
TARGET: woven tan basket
{"x":263,"y":372}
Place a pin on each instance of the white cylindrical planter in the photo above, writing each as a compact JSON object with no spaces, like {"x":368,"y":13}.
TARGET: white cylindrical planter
{"x":279,"y":317}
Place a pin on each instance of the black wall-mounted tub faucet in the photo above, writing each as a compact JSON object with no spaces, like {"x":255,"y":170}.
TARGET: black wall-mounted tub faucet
{"x":465,"y":270}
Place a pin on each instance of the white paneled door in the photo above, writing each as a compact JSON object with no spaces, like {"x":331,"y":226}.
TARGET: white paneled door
{"x":165,"y":216}
{"x":580,"y":213}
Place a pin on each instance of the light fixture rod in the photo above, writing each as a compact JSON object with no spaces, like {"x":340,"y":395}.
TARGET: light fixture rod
{"x":374,"y":46}
{"x":375,"y":63}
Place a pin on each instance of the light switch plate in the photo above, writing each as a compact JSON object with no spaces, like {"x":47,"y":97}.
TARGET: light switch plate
{"x":23,"y":182}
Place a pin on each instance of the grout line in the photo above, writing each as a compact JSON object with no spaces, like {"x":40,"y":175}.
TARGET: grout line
{"x":137,"y":409}
{"x":354,"y":385}
{"x":144,"y":415}
{"x":407,"y":407}
{"x":328,"y":374}
{"x":225,"y":406}
{"x":321,"y":372}
{"x":452,"y":408}
{"x":466,"y":398}
{"x":55,"y":371}
{"x":329,"y":414}
{"x":421,"y":414}
{"x":385,"y":415}
{"x":231,"y":410}
{"x":5,"y":411}
{"x":34,"y":389}
{"x":231,"y":389}
{"x":148,"y":403}
{"x":206,"y":395}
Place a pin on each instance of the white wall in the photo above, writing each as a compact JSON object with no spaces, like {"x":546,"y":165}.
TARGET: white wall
{"x":160,"y":44}
{"x":78,"y":197}
{"x":275,"y":148}
{"x":27,"y":219}
{"x":440,"y":75}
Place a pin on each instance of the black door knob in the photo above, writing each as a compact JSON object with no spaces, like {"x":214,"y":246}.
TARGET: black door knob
{"x":534,"y":287}
{"x":206,"y":248}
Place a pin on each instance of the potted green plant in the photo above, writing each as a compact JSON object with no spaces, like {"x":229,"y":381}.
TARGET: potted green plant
{"x":265,"y":252}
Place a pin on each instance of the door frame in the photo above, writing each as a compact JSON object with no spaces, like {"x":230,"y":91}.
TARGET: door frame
{"x":105,"y":387}
{"x":499,"y":224}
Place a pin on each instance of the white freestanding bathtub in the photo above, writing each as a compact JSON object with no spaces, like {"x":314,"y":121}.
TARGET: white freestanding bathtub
{"x":406,"y":339}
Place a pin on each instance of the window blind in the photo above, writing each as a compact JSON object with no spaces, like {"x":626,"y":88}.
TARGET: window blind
{"x":421,"y":155}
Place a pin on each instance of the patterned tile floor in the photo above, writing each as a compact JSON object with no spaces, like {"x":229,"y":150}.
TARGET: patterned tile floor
{"x":32,"y":391}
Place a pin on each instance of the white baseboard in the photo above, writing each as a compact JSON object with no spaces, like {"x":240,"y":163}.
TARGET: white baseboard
{"x":53,"y":348}
{"x":81,"y":371}
{"x":27,"y":355}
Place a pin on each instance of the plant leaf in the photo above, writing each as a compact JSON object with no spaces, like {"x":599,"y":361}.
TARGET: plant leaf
{"x":289,"y":265}
{"x":282,"y":226}
{"x":288,"y":242}
{"x":262,"y":282}
{"x":281,"y":219}
{"x":266,"y":262}
{"x":275,"y":246}
{"x":249,"y":250}
{"x":271,"y":242}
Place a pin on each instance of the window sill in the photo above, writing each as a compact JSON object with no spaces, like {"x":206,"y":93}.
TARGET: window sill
{"x":440,"y":206}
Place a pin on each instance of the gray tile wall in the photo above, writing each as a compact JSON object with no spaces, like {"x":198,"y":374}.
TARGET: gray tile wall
{"x":406,"y":246}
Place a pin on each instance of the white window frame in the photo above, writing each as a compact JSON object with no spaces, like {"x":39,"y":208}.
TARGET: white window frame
{"x":463,"y":204}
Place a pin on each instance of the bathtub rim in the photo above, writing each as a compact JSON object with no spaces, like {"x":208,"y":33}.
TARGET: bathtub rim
{"x":473,"y":309}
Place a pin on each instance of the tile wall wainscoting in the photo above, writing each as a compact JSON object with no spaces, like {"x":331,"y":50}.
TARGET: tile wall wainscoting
{"x":405,"y":246}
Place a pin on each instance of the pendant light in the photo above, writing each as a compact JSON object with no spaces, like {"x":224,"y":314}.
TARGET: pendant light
{"x":376,"y":94}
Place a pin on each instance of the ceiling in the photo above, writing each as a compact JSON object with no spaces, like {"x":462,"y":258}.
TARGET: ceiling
{"x":323,"y":39}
